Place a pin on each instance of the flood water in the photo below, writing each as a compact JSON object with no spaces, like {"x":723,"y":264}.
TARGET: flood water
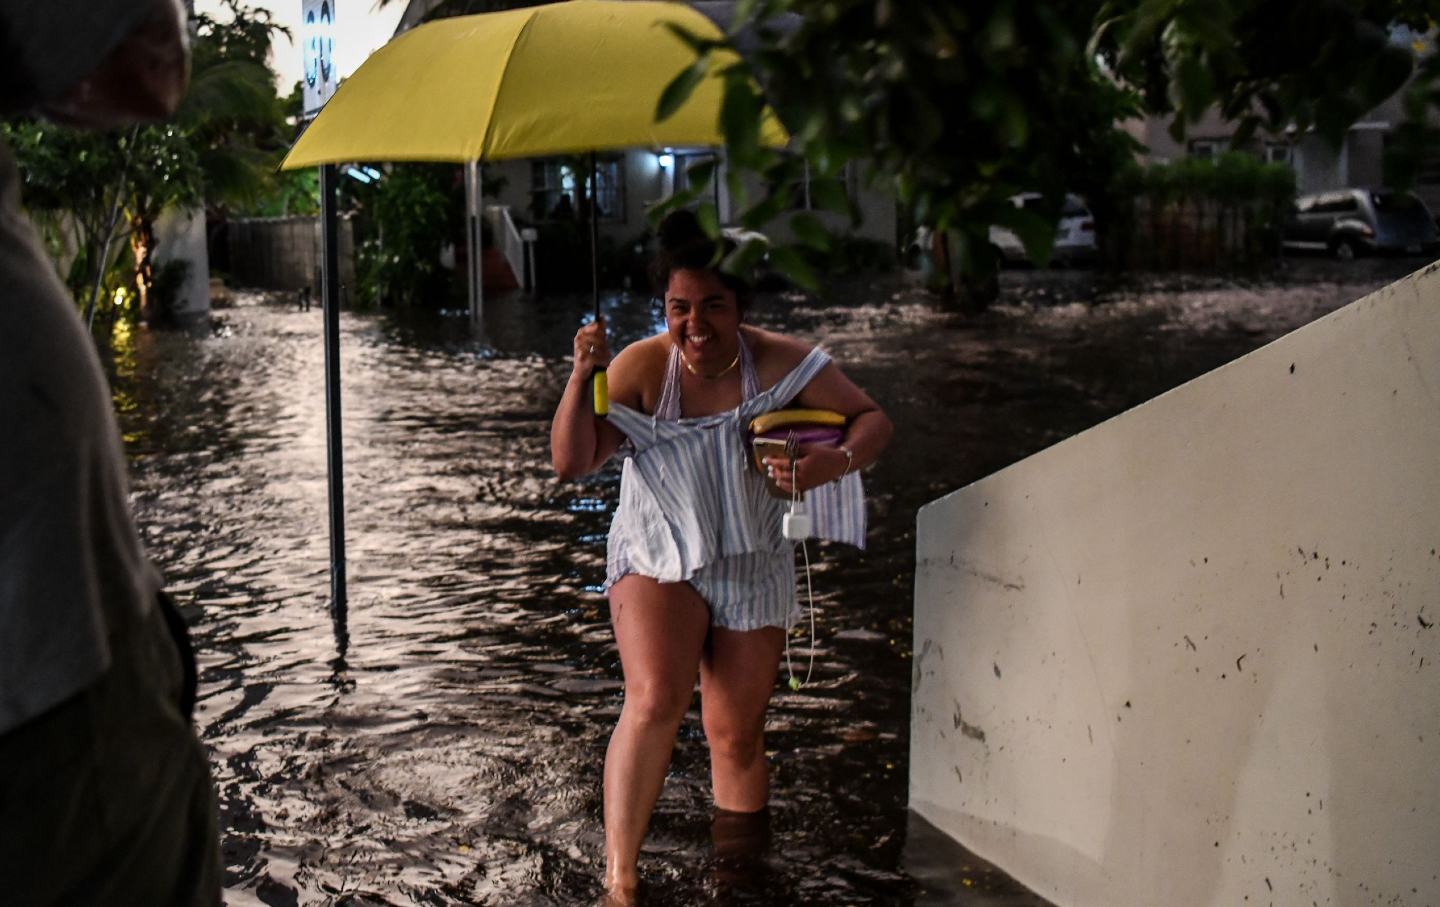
{"x":454,"y":755}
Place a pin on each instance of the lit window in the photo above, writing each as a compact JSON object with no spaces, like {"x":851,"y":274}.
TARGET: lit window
{"x":1279,"y":153}
{"x":559,"y":189}
{"x":1207,"y":149}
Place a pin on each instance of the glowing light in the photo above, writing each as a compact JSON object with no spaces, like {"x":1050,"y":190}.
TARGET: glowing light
{"x":122,"y":332}
{"x":666,"y":159}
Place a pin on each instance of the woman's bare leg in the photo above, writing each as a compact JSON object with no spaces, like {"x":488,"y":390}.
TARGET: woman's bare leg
{"x":660,"y":629}
{"x":737,"y":676}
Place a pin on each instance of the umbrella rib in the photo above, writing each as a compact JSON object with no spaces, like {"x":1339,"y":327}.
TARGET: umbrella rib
{"x":500,"y":82}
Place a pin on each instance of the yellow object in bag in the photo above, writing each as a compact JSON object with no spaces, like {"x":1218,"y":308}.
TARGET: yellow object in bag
{"x":782,"y":432}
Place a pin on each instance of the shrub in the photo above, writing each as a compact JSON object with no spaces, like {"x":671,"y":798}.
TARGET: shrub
{"x":1223,"y":212}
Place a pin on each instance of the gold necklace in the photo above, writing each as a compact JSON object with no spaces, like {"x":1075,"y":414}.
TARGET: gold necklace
{"x":697,"y":373}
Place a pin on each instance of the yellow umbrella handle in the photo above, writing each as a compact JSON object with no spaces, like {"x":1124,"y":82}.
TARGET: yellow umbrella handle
{"x":602,"y":393}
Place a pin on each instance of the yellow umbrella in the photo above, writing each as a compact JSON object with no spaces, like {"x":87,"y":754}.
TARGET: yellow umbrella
{"x":564,"y":78}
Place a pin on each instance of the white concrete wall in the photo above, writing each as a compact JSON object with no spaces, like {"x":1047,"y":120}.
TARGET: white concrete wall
{"x":180,"y":235}
{"x":1189,"y":657}
{"x":1318,"y":166}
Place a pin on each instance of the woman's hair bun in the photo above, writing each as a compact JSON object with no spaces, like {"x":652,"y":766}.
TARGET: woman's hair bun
{"x":683,"y":245}
{"x":681,"y":230}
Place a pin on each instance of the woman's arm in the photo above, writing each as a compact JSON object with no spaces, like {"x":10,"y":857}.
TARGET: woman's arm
{"x":580,"y":441}
{"x":866,"y":434}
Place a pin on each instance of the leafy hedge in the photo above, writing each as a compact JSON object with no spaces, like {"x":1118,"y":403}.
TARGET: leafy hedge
{"x":1224,"y":212}
{"x":410,"y":215}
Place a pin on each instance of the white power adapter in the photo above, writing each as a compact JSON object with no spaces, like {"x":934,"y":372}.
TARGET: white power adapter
{"x":795,"y":525}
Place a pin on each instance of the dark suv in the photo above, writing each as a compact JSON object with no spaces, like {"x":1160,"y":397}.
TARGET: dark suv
{"x":1347,"y":222}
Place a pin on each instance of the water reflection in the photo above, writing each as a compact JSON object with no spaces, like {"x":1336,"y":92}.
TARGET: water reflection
{"x":454,"y":755}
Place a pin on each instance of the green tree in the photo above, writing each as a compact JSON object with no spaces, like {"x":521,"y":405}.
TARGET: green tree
{"x":410,"y":214}
{"x":956,"y":106}
{"x":222,"y":147}
{"x":232,"y":113}
{"x":71,"y":192}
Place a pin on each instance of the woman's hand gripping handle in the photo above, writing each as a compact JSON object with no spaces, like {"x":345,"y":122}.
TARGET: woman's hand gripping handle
{"x":580,"y":440}
{"x":592,"y":355}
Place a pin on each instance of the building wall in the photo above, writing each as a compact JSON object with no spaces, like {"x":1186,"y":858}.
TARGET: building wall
{"x":1319,"y":166}
{"x":180,"y":235}
{"x":1190,"y":656}
{"x":283,"y":253}
{"x":1365,"y":150}
{"x":1154,"y":133}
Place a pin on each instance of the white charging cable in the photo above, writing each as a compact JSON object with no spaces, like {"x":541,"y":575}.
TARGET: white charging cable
{"x":795,"y":526}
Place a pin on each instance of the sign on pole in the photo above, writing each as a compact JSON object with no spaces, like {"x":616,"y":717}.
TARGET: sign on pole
{"x":317,"y":44}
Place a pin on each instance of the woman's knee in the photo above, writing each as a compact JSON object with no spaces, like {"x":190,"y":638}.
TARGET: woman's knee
{"x":734,"y":740}
{"x":656,"y":703}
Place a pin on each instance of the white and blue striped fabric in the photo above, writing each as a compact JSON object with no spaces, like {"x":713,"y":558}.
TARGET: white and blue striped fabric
{"x":691,"y":510}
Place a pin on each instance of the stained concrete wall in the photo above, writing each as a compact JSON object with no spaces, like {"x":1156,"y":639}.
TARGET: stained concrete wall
{"x":1190,"y":656}
{"x":180,"y":236}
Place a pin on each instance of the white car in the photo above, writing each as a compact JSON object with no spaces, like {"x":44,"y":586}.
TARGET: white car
{"x":1074,"y":235}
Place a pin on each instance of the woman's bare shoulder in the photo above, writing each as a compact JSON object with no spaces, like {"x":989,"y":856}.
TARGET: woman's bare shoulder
{"x":775,"y":354}
{"x":636,"y":371}
{"x":643,"y":353}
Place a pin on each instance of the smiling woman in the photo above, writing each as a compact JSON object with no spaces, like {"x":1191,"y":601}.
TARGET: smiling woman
{"x":700,"y":577}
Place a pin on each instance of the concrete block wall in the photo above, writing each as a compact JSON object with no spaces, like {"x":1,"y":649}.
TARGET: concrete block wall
{"x":1191,"y":656}
{"x":283,"y":253}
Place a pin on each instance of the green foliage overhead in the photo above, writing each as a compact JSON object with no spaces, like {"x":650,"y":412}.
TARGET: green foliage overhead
{"x":957,"y":106}
{"x":1266,"y":64}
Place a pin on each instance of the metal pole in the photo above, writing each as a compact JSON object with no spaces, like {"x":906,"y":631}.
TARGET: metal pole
{"x":599,"y":381}
{"x":479,"y":246}
{"x":330,"y":298}
{"x":470,"y":250}
{"x":474,"y":241}
{"x":594,"y":236}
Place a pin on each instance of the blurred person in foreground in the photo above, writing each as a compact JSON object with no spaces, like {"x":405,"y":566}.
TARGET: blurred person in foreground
{"x":105,"y":793}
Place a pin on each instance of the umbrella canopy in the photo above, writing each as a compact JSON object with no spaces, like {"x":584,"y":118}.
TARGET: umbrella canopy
{"x":564,"y":78}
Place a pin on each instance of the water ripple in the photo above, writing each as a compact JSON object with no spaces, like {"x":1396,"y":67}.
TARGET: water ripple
{"x":455,"y":755}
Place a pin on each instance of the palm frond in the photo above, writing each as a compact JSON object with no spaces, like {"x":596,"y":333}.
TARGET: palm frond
{"x":232,"y":90}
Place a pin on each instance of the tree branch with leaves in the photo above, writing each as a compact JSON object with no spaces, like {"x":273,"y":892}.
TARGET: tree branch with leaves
{"x":955,"y":107}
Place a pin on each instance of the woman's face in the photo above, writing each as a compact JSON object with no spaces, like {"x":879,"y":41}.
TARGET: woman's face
{"x":703,"y":318}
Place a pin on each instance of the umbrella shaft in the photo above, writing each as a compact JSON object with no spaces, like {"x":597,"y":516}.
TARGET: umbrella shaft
{"x":330,"y":295}
{"x":594,"y":236}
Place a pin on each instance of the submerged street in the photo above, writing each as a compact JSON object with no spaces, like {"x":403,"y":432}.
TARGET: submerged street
{"x":453,"y":756}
